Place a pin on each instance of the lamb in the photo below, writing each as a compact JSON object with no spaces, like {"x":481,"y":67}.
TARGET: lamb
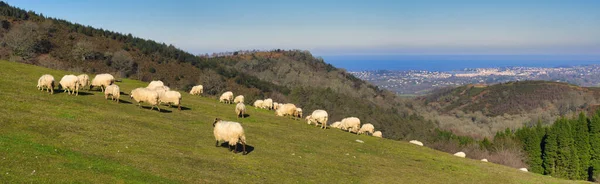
{"x":377,"y":134}
{"x":240,"y":109}
{"x":102,"y":81}
{"x":197,"y":90}
{"x":298,"y":112}
{"x":154,"y":84}
{"x":239,"y":99}
{"x":145,"y":95}
{"x":84,"y":80}
{"x":258,"y":104}
{"x":351,"y":124}
{"x":170,"y":98}
{"x":70,"y":83}
{"x":113,"y":91}
{"x":335,"y":124}
{"x":226,"y":97}
{"x":319,"y":116}
{"x":286,"y":109}
{"x":268,"y":103}
{"x":366,"y":128}
{"x":460,"y":154}
{"x":232,"y":132}
{"x":416,"y":142}
{"x":46,"y":81}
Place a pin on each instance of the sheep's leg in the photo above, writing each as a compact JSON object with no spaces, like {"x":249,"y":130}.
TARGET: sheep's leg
{"x":244,"y":148}
{"x":217,"y":143}
{"x":158,"y":108}
{"x":51,"y":91}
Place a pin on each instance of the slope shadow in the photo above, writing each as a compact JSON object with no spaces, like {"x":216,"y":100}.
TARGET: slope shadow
{"x":163,"y":110}
{"x":239,"y":147}
{"x":244,"y":116}
{"x":183,"y":108}
{"x":59,"y":91}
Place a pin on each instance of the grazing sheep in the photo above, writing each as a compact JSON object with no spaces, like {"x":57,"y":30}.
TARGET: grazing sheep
{"x":113,"y":91}
{"x":232,"y":132}
{"x":298,"y":112}
{"x":84,"y":80}
{"x":154,"y":84}
{"x":484,"y":160}
{"x":226,"y":97}
{"x":276,"y":105}
{"x":197,"y":90}
{"x":268,"y":104}
{"x":286,"y":109}
{"x":239,"y":99}
{"x":70,"y":83}
{"x":102,"y":81}
{"x":336,"y":124}
{"x":377,"y":134}
{"x":170,"y":98}
{"x":460,"y":154}
{"x":319,"y":116}
{"x":46,"y":82}
{"x":351,"y":124}
{"x":145,"y":95}
{"x":524,"y":169}
{"x":258,"y":104}
{"x":240,"y":109}
{"x":416,"y":142}
{"x":366,"y":128}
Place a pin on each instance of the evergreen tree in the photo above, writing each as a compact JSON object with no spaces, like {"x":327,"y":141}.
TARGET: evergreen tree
{"x":550,"y":151}
{"x":567,"y":162}
{"x":582,"y":145}
{"x":594,"y":128}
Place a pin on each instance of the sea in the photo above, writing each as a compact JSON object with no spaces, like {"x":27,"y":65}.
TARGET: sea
{"x":455,"y":62}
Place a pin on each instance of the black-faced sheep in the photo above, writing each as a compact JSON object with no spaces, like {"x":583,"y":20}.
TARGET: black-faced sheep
{"x":231,"y":132}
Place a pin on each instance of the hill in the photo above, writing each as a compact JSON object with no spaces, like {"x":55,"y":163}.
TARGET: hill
{"x":59,"y":138}
{"x":289,"y":76}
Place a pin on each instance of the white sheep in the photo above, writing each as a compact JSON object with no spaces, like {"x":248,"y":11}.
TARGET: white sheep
{"x":524,"y":169}
{"x":258,"y":104}
{"x":336,"y":124}
{"x":46,"y":82}
{"x":240,"y":109}
{"x":113,"y":91}
{"x":351,"y":124}
{"x":319,"y":116}
{"x":377,"y":134}
{"x":231,"y":132}
{"x":416,"y":142}
{"x":484,"y":160}
{"x":170,"y":98}
{"x":145,"y":95}
{"x":197,"y":90}
{"x":102,"y":81}
{"x":238,"y":99}
{"x":267,"y":104}
{"x":276,"y":105}
{"x":286,"y":110}
{"x":84,"y":80}
{"x":298,"y":112}
{"x":154,"y":84}
{"x":226,"y":97}
{"x":460,"y":154}
{"x":366,"y":128}
{"x":70,"y":83}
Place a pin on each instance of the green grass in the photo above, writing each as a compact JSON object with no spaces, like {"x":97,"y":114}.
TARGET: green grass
{"x":87,"y":139}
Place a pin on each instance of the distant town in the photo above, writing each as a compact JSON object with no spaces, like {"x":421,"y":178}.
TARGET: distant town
{"x":414,"y":82}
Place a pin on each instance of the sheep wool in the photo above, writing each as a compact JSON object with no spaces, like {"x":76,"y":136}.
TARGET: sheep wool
{"x":484,"y":160}
{"x":231,"y":132}
{"x":113,"y":91}
{"x":524,"y":169}
{"x":460,"y":154}
{"x":286,"y":110}
{"x":70,"y":83}
{"x":415,"y":142}
{"x":239,"y":99}
{"x":275,"y":105}
{"x":171,"y":98}
{"x":319,"y":116}
{"x":377,"y":134}
{"x":46,"y":82}
{"x":336,"y":124}
{"x":145,"y":95}
{"x":351,"y":124}
{"x":102,"y":81}
{"x":240,"y":110}
{"x":258,"y":104}
{"x":154,"y":84}
{"x":197,"y":90}
{"x":366,"y":128}
{"x":226,"y":97}
{"x":268,"y":104}
{"x":297,"y":114}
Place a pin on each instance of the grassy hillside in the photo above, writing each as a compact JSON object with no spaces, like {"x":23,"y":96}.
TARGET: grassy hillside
{"x":59,"y":138}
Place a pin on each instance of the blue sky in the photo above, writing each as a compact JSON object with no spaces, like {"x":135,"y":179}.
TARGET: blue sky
{"x":521,"y":27}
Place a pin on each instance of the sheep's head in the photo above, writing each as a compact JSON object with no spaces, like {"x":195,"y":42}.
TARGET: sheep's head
{"x":216,"y":121}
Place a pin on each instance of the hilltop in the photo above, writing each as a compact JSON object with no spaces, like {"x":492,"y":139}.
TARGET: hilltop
{"x":59,"y":138}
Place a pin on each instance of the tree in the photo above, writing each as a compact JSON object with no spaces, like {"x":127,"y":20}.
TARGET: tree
{"x":27,"y":39}
{"x":582,"y":145}
{"x":123,"y":62}
{"x":550,"y":151}
{"x":594,"y":128}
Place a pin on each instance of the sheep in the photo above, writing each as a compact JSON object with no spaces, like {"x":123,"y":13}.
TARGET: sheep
{"x":258,"y":104}
{"x":351,"y":124}
{"x":275,"y":105}
{"x":46,"y":81}
{"x":226,"y":97}
{"x":70,"y":83}
{"x":154,"y":84}
{"x":319,"y":116}
{"x":484,"y":160}
{"x":377,"y":134}
{"x":336,"y":124}
{"x":286,"y":109}
{"x":232,"y":132}
{"x":524,"y":169}
{"x":197,"y":90}
{"x":240,"y":110}
{"x":366,"y":128}
{"x":298,"y":112}
{"x":113,"y":91}
{"x":170,"y":98}
{"x":268,"y":103}
{"x":416,"y":142}
{"x":239,"y":99}
{"x":145,"y":95}
{"x":84,"y":80}
{"x":460,"y":154}
{"x":102,"y":81}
